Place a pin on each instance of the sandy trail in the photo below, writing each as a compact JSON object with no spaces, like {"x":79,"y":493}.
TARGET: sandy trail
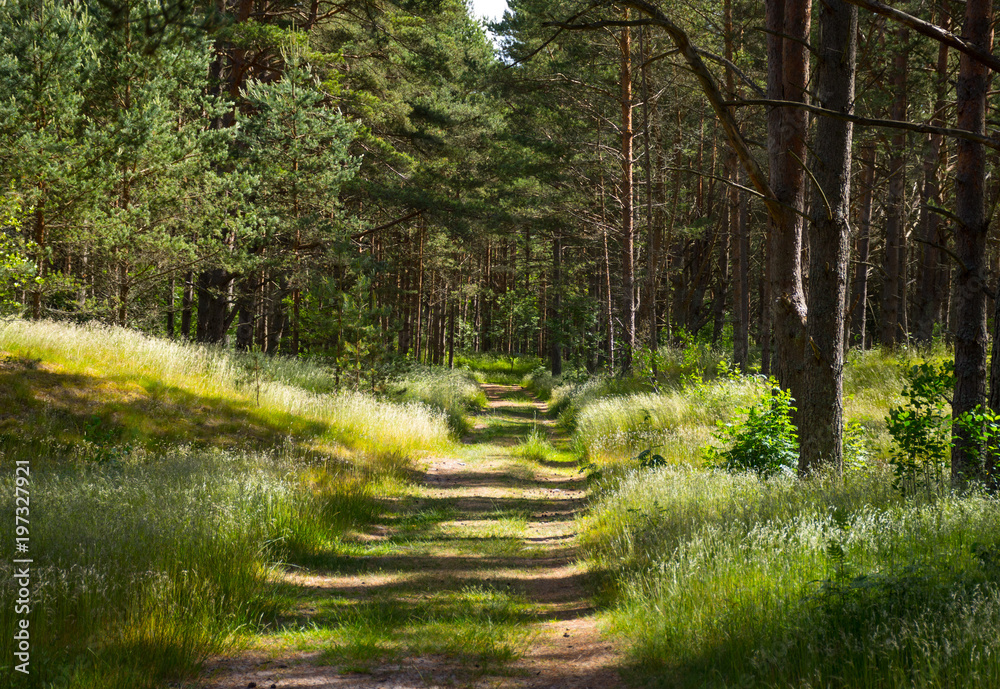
{"x":563,"y":646}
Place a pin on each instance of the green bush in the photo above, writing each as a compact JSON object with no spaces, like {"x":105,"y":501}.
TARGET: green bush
{"x":764,"y":441}
{"x":921,"y":429}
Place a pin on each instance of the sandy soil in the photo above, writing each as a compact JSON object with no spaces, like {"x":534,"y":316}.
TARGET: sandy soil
{"x":566,"y":647}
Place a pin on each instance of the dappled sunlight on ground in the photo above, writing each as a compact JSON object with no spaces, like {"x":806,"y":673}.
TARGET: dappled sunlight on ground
{"x":471,"y":582}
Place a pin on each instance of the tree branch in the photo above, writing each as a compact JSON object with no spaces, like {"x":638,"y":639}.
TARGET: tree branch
{"x":362,"y":235}
{"x":715,"y":98}
{"x":736,"y":70}
{"x":551,"y":38}
{"x":590,"y":26}
{"x":931,"y":30}
{"x":987,"y":141}
{"x":942,"y":247}
{"x":735,"y":185}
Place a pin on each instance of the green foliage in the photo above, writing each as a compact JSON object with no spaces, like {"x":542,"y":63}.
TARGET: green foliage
{"x":765,"y":441}
{"x":648,"y":459}
{"x":16,"y":269}
{"x":720,"y":580}
{"x":102,"y":444}
{"x":856,"y":450}
{"x":540,"y":382}
{"x":921,"y":429}
{"x":535,"y":446}
{"x":981,"y":427}
{"x":453,"y":391}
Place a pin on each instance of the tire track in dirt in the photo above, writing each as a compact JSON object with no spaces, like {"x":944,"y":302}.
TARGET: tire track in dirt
{"x":562,"y":646}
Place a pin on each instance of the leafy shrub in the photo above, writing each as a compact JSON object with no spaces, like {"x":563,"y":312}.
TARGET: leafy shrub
{"x":765,"y":441}
{"x":921,"y":429}
{"x":650,"y":460}
{"x":855,"y":447}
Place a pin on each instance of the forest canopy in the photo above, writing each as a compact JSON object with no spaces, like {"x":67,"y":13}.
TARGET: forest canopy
{"x":370,"y":182}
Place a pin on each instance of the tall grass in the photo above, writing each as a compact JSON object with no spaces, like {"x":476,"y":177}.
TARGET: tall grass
{"x":452,"y":391}
{"x":535,"y":446}
{"x":873,"y":383}
{"x":729,"y":580}
{"x":149,"y":556}
{"x":617,"y":417}
{"x":678,"y":422}
{"x":498,"y":368}
{"x":270,"y":388}
{"x":141,"y":570}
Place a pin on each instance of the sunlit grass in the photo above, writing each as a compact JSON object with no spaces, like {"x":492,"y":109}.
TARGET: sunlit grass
{"x":873,"y":383}
{"x":168,"y":484}
{"x":453,"y":391}
{"x":148,"y":389}
{"x":143,"y":569}
{"x":676,"y":423}
{"x":723,"y":580}
{"x":498,"y":368}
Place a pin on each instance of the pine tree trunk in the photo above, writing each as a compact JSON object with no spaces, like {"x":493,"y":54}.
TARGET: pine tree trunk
{"x":171,"y":301}
{"x":822,"y":437}
{"x":891,"y":332}
{"x":628,"y":214}
{"x":214,"y":316}
{"x":555,"y":341}
{"x":859,"y":287}
{"x":187,"y":302}
{"x":40,"y":239}
{"x":928,"y":301}
{"x":788,"y":77}
{"x":451,"y":335}
{"x":970,"y":239}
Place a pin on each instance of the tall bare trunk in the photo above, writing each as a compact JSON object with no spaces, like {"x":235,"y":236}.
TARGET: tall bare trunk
{"x":970,"y":238}
{"x":628,"y":214}
{"x":737,"y":212}
{"x":895,"y":243}
{"x":823,"y":405}
{"x":929,"y":295}
{"x":654,"y":219}
{"x":788,"y":76}
{"x":859,"y":288}
{"x":555,"y":338}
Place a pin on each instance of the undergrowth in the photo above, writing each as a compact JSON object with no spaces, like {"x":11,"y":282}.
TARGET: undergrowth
{"x":456,"y":392}
{"x":169,"y":485}
{"x":731,"y":579}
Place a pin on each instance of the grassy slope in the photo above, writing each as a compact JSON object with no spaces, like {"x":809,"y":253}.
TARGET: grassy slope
{"x":166,"y":481}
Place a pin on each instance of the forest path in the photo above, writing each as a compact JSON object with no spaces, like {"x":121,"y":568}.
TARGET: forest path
{"x":470,"y":582}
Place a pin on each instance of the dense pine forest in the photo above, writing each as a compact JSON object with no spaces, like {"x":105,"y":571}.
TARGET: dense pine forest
{"x":703,"y":295}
